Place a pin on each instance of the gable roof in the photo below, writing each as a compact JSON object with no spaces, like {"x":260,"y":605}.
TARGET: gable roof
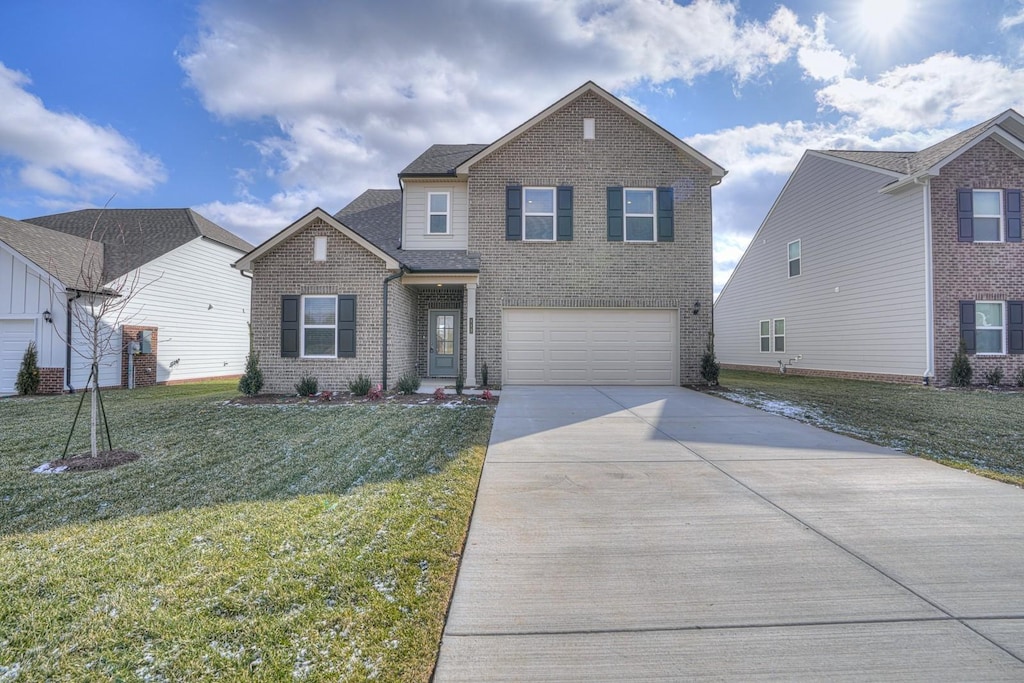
{"x":591,"y":87}
{"x":1008,"y":125}
{"x":134,"y":237}
{"x":75,"y":262}
{"x":440,"y":160}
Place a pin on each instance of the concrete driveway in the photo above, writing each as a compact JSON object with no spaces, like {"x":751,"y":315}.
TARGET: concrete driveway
{"x":656,"y":533}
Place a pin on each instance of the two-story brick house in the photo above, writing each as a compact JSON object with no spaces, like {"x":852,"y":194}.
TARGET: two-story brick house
{"x":576,"y":249}
{"x":875,"y":264}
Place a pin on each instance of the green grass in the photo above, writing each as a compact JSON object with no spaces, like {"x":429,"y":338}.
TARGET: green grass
{"x":258,"y":543}
{"x":976,"y":430}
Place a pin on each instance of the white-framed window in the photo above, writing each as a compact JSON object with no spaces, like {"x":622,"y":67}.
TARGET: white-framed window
{"x":766,"y":336}
{"x":794,"y":258}
{"x":539,"y":214}
{"x":779,"y":335}
{"x":639,"y":205}
{"x":990,"y":328}
{"x":988,"y":215}
{"x":438,"y":213}
{"x":320,"y":248}
{"x":319,"y":326}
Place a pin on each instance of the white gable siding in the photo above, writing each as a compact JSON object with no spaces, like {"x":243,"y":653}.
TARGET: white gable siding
{"x":414,"y":216}
{"x":200,"y":305}
{"x":870,"y":246}
{"x":25,"y":292}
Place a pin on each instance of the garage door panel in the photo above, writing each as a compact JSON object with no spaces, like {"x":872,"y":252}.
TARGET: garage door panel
{"x":590,"y":346}
{"x":15,"y":336}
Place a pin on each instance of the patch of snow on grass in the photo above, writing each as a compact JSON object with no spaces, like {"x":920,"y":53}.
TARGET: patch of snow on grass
{"x":10,"y":672}
{"x":45,"y":468}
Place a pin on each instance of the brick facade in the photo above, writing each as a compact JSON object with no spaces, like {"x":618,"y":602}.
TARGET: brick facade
{"x":51,"y":380}
{"x":144,"y":363}
{"x":970,"y":270}
{"x":838,"y":374}
{"x":590,"y":268}
{"x":289,"y":268}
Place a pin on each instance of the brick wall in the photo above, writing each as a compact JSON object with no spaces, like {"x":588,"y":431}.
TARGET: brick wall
{"x":51,"y":380}
{"x":144,"y":363}
{"x":590,"y":267}
{"x":349,"y":269}
{"x":970,"y":270}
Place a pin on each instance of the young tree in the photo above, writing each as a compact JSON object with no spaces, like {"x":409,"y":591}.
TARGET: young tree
{"x":709,"y":365}
{"x":28,"y":378}
{"x":961,"y":371}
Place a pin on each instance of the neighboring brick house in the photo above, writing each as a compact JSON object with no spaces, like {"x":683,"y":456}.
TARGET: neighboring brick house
{"x":186,"y":301}
{"x":576,"y":249}
{"x":875,"y":264}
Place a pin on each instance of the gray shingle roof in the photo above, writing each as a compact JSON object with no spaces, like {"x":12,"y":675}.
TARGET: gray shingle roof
{"x":134,"y":237}
{"x":911,"y":163}
{"x":440,"y":160}
{"x":376,"y":215}
{"x":74,"y":261}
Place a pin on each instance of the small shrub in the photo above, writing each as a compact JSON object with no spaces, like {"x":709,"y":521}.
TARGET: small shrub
{"x":1018,"y":379}
{"x":994,"y":377}
{"x":487,"y":395}
{"x":307,"y":386}
{"x":360,"y":386}
{"x":408,"y":383}
{"x":375,"y":393}
{"x":439,"y":394}
{"x":460,"y":384}
{"x":961,"y":372}
{"x":252,"y":381}
{"x":28,"y":378}
{"x":483,"y":374}
{"x":709,"y":365}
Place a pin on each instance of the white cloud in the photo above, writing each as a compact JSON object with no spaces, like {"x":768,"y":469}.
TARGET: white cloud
{"x":61,"y":154}
{"x":1011,"y":20}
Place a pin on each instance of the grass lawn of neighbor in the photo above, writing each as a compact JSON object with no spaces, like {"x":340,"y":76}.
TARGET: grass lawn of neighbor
{"x":255,"y":542}
{"x":978,"y":430}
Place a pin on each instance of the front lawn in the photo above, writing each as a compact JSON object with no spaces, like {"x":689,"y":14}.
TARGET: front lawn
{"x":977,"y":430}
{"x":255,"y":542}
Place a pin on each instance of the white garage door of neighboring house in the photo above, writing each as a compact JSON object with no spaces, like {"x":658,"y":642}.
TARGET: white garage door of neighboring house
{"x":590,"y":346}
{"x":14,"y":338}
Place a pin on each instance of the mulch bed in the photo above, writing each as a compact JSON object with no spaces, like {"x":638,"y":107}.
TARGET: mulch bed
{"x":345,"y":398}
{"x":84,"y":462}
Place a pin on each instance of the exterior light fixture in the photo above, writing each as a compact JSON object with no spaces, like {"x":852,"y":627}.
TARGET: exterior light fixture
{"x":47,"y":316}
{"x":696,"y":307}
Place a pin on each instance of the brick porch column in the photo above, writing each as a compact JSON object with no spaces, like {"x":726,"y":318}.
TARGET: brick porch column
{"x":471,"y":335}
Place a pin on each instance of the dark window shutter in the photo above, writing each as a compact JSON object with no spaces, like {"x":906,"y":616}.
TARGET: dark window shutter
{"x":564,"y":214}
{"x":347,"y":326}
{"x":513,"y":212}
{"x":965,"y":215}
{"x":666,"y":215}
{"x":967,"y":325}
{"x":1015,"y":326}
{"x":290,"y":326}
{"x":1012,"y":215}
{"x":615,"y":214}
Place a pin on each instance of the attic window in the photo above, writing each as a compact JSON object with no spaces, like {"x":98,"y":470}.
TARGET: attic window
{"x":588,"y":129}
{"x":320,"y":248}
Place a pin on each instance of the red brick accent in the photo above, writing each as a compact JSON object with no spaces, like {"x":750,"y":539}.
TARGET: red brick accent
{"x":145,"y":363}
{"x":51,"y":380}
{"x":838,"y":374}
{"x":972,"y":271}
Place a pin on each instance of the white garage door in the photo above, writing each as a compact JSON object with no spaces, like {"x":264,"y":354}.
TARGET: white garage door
{"x":14,"y":338}
{"x":590,"y":346}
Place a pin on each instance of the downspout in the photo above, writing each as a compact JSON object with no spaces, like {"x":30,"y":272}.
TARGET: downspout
{"x":384,"y":339}
{"x":67,"y":358}
{"x":929,"y":292}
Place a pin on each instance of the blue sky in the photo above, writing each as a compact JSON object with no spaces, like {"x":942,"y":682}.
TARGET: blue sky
{"x":255,"y":111}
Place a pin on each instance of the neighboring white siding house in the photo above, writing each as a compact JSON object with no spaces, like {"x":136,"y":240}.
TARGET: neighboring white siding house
{"x":200,"y":305}
{"x":859,"y":303}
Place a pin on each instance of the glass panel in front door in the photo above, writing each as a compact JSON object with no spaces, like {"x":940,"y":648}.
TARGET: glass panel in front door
{"x":444,"y":335}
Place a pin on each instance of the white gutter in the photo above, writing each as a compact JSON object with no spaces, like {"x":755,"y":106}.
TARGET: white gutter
{"x":929,"y":290}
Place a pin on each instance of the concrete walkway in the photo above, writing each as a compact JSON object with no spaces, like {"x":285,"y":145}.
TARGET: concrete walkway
{"x":652,"y":533}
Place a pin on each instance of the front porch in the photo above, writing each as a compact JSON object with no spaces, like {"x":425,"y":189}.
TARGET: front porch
{"x":443,"y":327}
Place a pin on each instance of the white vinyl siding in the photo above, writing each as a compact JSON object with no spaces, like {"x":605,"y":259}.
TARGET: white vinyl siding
{"x":200,"y":305}
{"x":590,"y":346}
{"x":25,"y":292}
{"x":416,"y":216}
{"x":861,"y":308}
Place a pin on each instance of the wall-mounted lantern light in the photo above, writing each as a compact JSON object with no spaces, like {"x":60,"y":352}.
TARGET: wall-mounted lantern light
{"x":696,"y":307}
{"x":47,"y":316}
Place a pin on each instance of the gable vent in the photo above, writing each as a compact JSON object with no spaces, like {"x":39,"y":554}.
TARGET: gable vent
{"x":588,"y":129}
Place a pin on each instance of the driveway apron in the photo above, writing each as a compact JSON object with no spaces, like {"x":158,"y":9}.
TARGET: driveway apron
{"x":656,"y":533}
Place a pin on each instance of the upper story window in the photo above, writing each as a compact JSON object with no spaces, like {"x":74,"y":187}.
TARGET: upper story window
{"x":794,"y":258}
{"x":639,"y":213}
{"x":320,"y":248}
{"x":988,"y":317}
{"x":988,"y":215}
{"x":439,"y":211}
{"x":319,"y":326}
{"x":766,"y":336}
{"x":539,"y":213}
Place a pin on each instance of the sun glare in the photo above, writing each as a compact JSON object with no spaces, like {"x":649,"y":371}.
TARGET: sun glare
{"x":883,"y":20}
